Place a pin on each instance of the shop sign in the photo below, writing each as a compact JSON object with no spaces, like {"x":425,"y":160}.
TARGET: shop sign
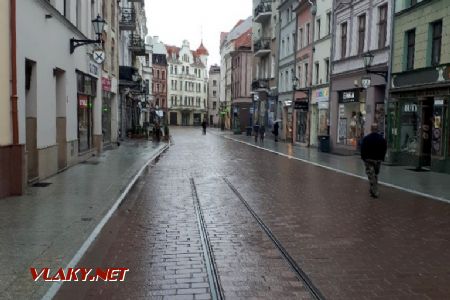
{"x":83,"y":101}
{"x":409,"y":108}
{"x":106,"y":84}
{"x":322,"y":95}
{"x":93,"y":68}
{"x":438,"y":102}
{"x":348,"y":97}
{"x":365,"y":82}
{"x":323,"y":105}
{"x":302,"y":105}
{"x":287,"y":103}
{"x":99,"y":56}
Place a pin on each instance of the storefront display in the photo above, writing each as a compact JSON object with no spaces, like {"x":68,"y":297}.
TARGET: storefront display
{"x":351,"y":118}
{"x":87,"y":90}
{"x":409,"y":127}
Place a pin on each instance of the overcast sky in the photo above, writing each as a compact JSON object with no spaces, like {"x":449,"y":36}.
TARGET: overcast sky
{"x":176,"y":20}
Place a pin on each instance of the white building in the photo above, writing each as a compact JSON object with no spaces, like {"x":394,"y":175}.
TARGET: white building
{"x":187,"y":84}
{"x":60,"y":93}
{"x":213,"y":95}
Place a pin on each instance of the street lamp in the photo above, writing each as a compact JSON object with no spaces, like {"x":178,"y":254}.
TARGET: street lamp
{"x":99,"y":25}
{"x":368,"y":60}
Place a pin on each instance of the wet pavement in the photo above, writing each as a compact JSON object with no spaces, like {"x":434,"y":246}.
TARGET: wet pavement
{"x":48,"y":225}
{"x":348,"y":245}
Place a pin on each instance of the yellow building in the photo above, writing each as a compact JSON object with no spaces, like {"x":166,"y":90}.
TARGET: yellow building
{"x":11,"y":153}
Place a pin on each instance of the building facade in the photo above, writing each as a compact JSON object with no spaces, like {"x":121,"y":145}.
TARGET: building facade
{"x":187,"y":84}
{"x":133,"y":64}
{"x":320,"y":71}
{"x":241,"y":78}
{"x":12,"y":162}
{"x":60,"y":114}
{"x":159,"y":85}
{"x":360,"y":28}
{"x":418,"y":111}
{"x":227,"y":46}
{"x":213,"y":95}
{"x":265,"y":45}
{"x":303,"y":47}
{"x":286,"y":68}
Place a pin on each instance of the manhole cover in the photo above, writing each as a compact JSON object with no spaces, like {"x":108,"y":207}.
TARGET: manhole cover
{"x":41,"y":184}
{"x":418,"y":170}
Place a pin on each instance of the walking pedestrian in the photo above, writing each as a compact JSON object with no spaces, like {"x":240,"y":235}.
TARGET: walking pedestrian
{"x":276,"y":127}
{"x":373,"y":152}
{"x":158,"y":132}
{"x":262,"y":133}
{"x":204,"y":127}
{"x":256,"y":132}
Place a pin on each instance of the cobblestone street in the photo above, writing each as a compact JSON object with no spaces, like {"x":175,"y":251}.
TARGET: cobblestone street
{"x":214,"y":219}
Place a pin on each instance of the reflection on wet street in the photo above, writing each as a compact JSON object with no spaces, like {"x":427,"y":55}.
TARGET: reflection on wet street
{"x":274,"y":228}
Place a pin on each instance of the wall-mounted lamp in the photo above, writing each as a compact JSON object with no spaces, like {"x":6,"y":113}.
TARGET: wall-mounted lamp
{"x":99,"y":25}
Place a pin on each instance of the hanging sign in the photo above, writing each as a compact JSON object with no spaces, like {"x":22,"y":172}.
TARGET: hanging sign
{"x":99,"y":56}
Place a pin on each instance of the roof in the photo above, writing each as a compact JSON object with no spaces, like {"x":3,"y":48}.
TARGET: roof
{"x":202,"y":50}
{"x":244,"y":40}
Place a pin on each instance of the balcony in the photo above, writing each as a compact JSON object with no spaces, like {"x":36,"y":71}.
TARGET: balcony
{"x":263,"y":12}
{"x":261,"y":47}
{"x":259,"y":84}
{"x":127,"y":19}
{"x":137,"y":1}
{"x":137,"y":45}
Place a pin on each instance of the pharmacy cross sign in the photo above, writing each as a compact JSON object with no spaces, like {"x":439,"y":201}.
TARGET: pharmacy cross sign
{"x":99,"y":56}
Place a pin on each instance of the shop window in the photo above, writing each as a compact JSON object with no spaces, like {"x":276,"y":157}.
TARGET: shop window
{"x":351,"y":118}
{"x":409,"y":127}
{"x":437,"y":131}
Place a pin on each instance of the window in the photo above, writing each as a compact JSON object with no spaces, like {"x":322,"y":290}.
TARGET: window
{"x":316,"y":66}
{"x":113,"y":15}
{"x":410,"y":48}
{"x":113,"y":56}
{"x":214,"y":93}
{"x":171,"y":69}
{"x":361,"y":33}
{"x":214,"y":105}
{"x":300,"y":38}
{"x":382,"y":26}
{"x":164,"y":75}
{"x":318,"y":29}
{"x":343,"y":40}
{"x":307,"y":33}
{"x":157,"y":74}
{"x":288,"y":46}
{"x":306,"y":74}
{"x":328,"y":23}
{"x":436,"y":43}
{"x":327,"y":70}
{"x":187,"y":70}
{"x":214,"y":82}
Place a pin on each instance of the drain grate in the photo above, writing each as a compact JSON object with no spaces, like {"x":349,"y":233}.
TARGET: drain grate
{"x":418,"y":170}
{"x":41,"y":184}
{"x":86,"y":219}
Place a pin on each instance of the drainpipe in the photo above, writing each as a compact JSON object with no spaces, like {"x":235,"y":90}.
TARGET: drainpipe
{"x":14,"y":114}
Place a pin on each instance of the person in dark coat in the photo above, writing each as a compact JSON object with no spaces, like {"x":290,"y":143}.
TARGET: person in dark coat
{"x":262,"y":133}
{"x":276,"y":127}
{"x":204,"y":126}
{"x":373,"y":152}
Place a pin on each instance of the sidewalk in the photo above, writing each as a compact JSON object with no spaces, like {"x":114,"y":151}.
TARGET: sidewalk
{"x":431,"y":184}
{"x":48,"y":225}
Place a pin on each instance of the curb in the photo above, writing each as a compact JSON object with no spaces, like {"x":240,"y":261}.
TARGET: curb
{"x":51,"y":292}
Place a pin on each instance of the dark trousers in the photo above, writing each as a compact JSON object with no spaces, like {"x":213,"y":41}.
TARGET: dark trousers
{"x":372,"y":171}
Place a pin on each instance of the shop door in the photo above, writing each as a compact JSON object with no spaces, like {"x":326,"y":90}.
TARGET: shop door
{"x":31,"y":121}
{"x":426,"y":126}
{"x":197,"y":119}
{"x":173,"y":118}
{"x":185,"y":119}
